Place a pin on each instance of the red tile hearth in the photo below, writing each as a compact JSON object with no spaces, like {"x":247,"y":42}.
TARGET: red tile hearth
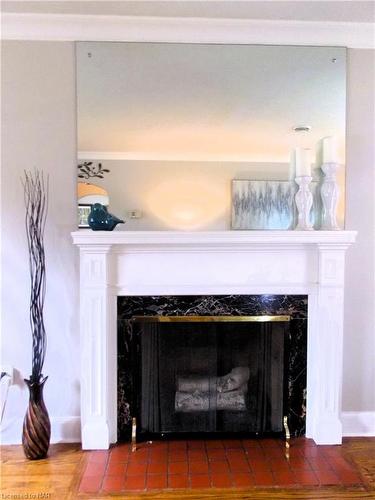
{"x":217,"y":464}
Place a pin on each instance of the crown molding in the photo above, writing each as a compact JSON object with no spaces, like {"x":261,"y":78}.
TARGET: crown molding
{"x":68,"y":27}
{"x":187,"y":156}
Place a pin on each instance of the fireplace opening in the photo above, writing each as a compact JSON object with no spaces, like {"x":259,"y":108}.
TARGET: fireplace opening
{"x":210,"y":374}
{"x":225,"y":346}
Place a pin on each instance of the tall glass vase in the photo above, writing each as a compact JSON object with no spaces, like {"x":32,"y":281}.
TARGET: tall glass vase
{"x":36,"y":425}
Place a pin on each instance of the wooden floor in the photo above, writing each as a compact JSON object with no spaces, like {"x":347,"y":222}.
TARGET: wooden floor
{"x":58,"y":478}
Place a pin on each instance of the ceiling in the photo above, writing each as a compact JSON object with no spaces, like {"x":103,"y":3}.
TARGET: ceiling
{"x":222,"y":101}
{"x":312,"y":10}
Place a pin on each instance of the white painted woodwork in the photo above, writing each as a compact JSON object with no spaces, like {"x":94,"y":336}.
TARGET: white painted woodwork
{"x":82,"y":27}
{"x":223,"y":262}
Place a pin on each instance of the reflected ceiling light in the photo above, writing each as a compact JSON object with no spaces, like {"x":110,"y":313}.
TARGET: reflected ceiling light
{"x":185,"y":204}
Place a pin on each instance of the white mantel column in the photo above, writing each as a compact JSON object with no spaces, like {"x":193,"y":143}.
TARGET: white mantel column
{"x":98,"y":316}
{"x":328,"y":354}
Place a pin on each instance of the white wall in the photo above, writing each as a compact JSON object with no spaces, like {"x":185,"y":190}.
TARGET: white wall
{"x":359,"y":347}
{"x":185,"y":195}
{"x":39,"y":130}
{"x":167,"y":193}
{"x":38,"y":113}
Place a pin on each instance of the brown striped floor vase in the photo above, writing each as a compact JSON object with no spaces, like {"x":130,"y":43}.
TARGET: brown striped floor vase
{"x":36,"y":425}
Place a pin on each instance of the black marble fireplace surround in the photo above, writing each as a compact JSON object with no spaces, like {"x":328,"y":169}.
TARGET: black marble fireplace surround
{"x":215,"y":305}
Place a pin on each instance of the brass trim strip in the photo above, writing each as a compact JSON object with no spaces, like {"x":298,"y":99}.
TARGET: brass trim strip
{"x":210,"y":319}
{"x":287,"y":437}
{"x":134,"y":434}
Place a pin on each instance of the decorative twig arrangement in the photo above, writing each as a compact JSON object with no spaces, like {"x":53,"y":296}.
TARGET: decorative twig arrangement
{"x":36,"y":202}
{"x":87,"y":170}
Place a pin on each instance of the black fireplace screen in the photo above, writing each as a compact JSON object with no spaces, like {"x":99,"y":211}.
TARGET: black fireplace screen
{"x":210,"y":374}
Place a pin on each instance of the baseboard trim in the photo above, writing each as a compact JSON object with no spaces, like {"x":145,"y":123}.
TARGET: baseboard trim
{"x":63,"y":430}
{"x":358,"y":423}
{"x":68,"y":429}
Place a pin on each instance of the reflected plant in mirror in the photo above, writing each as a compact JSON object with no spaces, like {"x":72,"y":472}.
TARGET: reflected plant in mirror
{"x":160,"y":116}
{"x":87,"y":170}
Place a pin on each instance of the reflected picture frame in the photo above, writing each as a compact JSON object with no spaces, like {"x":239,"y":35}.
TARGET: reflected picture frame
{"x":83,"y":215}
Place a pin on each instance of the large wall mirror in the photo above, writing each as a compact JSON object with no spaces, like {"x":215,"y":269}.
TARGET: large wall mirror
{"x":164,"y":128}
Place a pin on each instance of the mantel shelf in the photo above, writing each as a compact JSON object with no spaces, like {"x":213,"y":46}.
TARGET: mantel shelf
{"x":216,"y":239}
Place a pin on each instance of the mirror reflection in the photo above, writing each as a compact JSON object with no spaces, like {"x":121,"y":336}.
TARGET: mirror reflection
{"x":164,"y":129}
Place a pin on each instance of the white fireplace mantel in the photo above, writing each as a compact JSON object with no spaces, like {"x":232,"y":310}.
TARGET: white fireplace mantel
{"x":218,"y":262}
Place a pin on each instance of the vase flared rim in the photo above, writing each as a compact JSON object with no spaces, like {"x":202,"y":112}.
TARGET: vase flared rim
{"x":33,"y":382}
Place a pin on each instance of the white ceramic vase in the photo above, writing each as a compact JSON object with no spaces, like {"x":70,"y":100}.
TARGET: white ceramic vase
{"x":304,"y":202}
{"x":330,"y":197}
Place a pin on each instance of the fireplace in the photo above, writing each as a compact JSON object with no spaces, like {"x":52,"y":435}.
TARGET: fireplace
{"x":172,"y":263}
{"x":209,"y":374}
{"x":175,"y":354}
